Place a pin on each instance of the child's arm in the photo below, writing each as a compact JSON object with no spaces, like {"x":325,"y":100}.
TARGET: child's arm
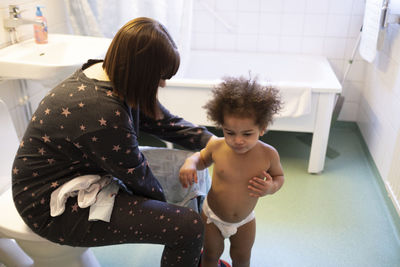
{"x":273,"y":180}
{"x":197,"y":161}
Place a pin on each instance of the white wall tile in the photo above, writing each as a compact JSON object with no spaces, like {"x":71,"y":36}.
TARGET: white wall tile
{"x":352,"y":91}
{"x":290,"y":44}
{"x":248,"y":23}
{"x":201,"y":5}
{"x":226,"y":5}
{"x":225,"y":42}
{"x":337,"y":25}
{"x":271,"y":6}
{"x":247,"y":42}
{"x":394,"y":39}
{"x":4,"y":35}
{"x":335,"y":47}
{"x":386,"y":69}
{"x":352,"y":47}
{"x":315,"y":25}
{"x":294,"y":6}
{"x":357,"y":71}
{"x":249,"y":5}
{"x":317,"y":6}
{"x":355,"y":25}
{"x":5,"y":3}
{"x":54,"y":12}
{"x":203,"y":22}
{"x":368,"y":118}
{"x":270,"y":23}
{"x":349,"y":111}
{"x":203,"y":41}
{"x":293,"y":24}
{"x":340,"y":6}
{"x":380,"y":103}
{"x":358,"y":7}
{"x":268,"y":43}
{"x":313,"y":46}
{"x":229,"y":24}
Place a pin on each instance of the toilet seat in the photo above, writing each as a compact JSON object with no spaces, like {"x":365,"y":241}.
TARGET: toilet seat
{"x":38,"y":251}
{"x":12,"y":224}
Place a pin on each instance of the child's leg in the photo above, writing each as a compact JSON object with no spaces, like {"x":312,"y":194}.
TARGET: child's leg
{"x":241,"y":244}
{"x":213,"y":244}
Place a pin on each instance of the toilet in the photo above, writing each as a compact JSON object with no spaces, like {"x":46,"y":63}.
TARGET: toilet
{"x":19,"y":246}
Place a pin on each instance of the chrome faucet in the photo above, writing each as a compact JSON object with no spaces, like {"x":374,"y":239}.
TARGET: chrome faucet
{"x":15,"y":20}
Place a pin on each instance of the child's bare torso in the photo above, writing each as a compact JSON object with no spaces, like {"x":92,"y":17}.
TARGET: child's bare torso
{"x":229,"y":194}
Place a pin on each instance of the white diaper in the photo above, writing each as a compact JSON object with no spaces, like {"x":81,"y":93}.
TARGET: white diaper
{"x":227,"y":229}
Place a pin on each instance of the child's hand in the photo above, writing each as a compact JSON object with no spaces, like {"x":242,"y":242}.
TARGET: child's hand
{"x":261,"y":187}
{"x":188,"y":174}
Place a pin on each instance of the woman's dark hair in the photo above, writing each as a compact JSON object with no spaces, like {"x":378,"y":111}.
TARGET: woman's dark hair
{"x":141,"y":53}
{"x":244,"y":98}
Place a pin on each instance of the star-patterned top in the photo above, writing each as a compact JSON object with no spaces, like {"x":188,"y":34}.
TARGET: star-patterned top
{"x":80,"y":128}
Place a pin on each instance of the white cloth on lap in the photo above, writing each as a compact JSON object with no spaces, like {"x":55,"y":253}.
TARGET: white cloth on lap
{"x":103,"y":207}
{"x":87,"y":188}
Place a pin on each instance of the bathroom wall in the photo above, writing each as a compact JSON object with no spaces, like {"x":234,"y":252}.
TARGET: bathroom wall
{"x":10,"y":89}
{"x":379,"y":112}
{"x":317,"y":27}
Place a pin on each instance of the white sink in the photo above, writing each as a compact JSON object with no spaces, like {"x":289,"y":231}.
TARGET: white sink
{"x":62,"y":55}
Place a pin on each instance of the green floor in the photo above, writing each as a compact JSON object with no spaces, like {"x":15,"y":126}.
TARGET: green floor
{"x":341,"y":217}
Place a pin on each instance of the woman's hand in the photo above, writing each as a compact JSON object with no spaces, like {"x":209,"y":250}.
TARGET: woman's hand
{"x":188,"y":173}
{"x":260,"y":187}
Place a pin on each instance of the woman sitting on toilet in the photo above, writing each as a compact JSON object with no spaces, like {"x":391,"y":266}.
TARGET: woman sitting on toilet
{"x":88,"y":125}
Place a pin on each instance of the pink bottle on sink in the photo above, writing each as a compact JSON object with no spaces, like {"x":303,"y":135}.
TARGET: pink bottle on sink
{"x":40,"y":31}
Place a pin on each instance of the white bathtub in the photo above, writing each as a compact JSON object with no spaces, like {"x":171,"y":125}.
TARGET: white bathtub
{"x":190,"y":89}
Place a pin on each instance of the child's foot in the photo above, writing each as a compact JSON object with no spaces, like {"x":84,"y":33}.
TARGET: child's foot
{"x":221,"y":263}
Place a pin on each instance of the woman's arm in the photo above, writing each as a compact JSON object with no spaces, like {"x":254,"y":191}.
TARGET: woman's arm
{"x":176,"y":130}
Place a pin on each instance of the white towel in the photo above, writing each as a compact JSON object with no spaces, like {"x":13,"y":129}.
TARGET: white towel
{"x":165,"y":165}
{"x":103,"y":207}
{"x":371,"y":28}
{"x":87,"y":188}
{"x":296,"y":101}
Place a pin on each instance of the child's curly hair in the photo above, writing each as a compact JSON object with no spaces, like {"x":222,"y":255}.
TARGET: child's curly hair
{"x":243,"y":98}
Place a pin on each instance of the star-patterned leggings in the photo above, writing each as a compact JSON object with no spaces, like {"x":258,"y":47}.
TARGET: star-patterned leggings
{"x":135,"y":219}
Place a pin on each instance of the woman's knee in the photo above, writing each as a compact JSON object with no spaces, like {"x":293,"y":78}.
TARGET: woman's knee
{"x":194,"y":222}
{"x":190,"y":225}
